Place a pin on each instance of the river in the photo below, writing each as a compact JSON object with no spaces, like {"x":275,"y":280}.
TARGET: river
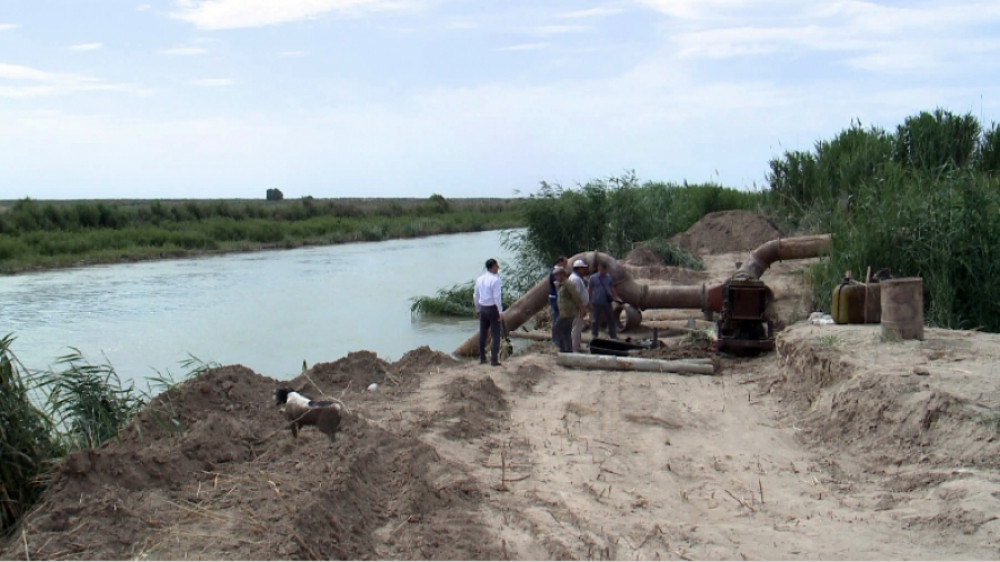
{"x":269,"y":311}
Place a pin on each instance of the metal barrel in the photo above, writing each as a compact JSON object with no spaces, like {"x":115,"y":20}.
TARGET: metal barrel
{"x":903,"y":308}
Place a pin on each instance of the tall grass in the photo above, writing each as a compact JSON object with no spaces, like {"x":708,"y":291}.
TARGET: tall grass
{"x":942,"y":228}
{"x":27,"y":446}
{"x":88,"y":403}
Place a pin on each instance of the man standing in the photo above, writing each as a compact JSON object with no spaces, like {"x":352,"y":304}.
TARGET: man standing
{"x":553,"y":295}
{"x":489,"y":307}
{"x":580,"y":270}
{"x":602,"y":294}
{"x":569,"y":304}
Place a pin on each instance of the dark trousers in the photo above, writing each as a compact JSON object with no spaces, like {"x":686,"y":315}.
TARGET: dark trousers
{"x":489,"y":321}
{"x":564,"y":334}
{"x":554,"y":303}
{"x":600,"y":313}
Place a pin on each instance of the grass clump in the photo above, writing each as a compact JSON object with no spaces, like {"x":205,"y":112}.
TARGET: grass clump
{"x":455,"y":301}
{"x":89,"y":403}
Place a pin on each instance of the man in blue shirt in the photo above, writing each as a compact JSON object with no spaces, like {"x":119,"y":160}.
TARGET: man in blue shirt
{"x":554,"y":296}
{"x":602,"y":294}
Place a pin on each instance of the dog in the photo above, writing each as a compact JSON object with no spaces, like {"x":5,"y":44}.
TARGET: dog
{"x":301,"y":411}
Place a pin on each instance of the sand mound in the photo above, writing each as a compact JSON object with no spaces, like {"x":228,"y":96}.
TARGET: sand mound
{"x":354,"y":372}
{"x":478,"y":406}
{"x":422,"y":360}
{"x":726,"y":231}
{"x":643,"y":256}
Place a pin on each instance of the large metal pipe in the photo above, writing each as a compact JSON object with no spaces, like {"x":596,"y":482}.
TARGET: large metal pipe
{"x":644,"y":296}
{"x":782,"y":249}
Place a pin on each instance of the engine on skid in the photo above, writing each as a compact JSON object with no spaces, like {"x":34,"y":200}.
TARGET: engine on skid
{"x":744,"y":326}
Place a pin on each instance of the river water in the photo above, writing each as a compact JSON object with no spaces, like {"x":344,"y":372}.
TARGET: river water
{"x":269,"y":311}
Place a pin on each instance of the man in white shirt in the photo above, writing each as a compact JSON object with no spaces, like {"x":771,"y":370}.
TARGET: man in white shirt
{"x":489,"y":307}
{"x":580,"y":271}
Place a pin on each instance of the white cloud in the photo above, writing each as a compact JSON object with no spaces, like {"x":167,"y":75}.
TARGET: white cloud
{"x":592,"y":13}
{"x":183,"y":51}
{"x":867,"y":36}
{"x":8,"y":26}
{"x":525,"y":47}
{"x":18,"y":81}
{"x":231,"y":14}
{"x":700,"y":9}
{"x":86,"y":47}
{"x":556,"y":29}
{"x":463,"y":23}
{"x":212,"y":82}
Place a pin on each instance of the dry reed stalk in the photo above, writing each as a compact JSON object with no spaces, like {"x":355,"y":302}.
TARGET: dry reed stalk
{"x":199,"y":511}
{"x":24,"y":537}
{"x":741,"y":502}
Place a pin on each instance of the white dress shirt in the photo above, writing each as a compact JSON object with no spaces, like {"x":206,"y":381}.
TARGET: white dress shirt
{"x":487,"y":292}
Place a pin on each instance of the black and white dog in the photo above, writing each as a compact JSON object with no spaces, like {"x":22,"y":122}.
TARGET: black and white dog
{"x":300,"y":410}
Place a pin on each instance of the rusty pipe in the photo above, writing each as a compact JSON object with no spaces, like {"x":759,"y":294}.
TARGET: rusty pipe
{"x":783,"y":249}
{"x":643,"y":296}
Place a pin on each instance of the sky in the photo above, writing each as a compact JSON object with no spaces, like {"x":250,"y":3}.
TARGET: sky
{"x":461,"y":98}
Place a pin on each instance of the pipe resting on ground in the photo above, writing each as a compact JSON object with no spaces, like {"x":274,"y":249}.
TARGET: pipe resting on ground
{"x":643,"y":296}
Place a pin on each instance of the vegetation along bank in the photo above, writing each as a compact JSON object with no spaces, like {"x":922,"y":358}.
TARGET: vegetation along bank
{"x":52,"y":234}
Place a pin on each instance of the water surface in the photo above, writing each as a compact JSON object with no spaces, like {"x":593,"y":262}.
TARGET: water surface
{"x":267,"y":310}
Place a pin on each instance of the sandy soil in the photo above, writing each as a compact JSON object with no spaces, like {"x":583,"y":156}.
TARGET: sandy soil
{"x":839,"y":445}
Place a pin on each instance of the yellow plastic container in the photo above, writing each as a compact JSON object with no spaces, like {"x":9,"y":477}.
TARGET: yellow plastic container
{"x":848,"y":306}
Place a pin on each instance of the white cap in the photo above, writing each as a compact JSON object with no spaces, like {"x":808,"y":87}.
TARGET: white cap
{"x":558,"y":269}
{"x":579,"y":263}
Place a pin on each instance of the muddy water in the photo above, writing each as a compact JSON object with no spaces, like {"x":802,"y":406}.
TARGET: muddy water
{"x":269,"y":311}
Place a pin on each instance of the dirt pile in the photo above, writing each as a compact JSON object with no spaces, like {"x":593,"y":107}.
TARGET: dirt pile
{"x":209,"y":470}
{"x":726,"y":231}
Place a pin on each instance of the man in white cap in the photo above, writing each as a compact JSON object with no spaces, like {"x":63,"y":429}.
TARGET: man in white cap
{"x":580,"y":271}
